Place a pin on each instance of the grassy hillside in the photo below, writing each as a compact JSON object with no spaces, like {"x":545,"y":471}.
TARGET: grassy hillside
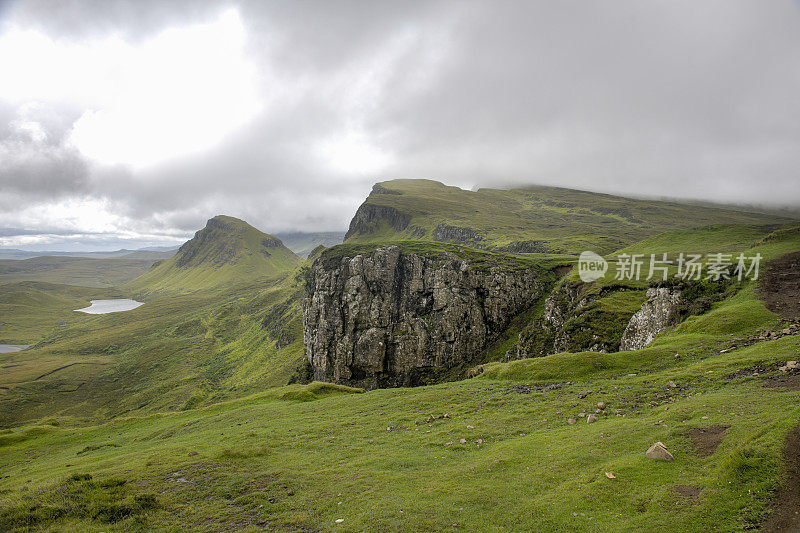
{"x":86,"y":272}
{"x":29,"y":310}
{"x":170,"y":354}
{"x":534,"y":219}
{"x":493,"y":452}
{"x":226,"y":251}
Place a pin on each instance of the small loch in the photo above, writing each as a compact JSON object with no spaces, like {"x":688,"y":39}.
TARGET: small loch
{"x":11,"y":348}
{"x":101,"y":307}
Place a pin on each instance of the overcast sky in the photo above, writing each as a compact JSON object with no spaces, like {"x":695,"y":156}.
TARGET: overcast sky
{"x":129,"y":123}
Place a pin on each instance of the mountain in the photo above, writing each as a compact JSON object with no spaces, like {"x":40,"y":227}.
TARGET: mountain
{"x":303,"y":243}
{"x":150,"y":252}
{"x":227,"y":250}
{"x":531,"y":219}
{"x":81,"y":271}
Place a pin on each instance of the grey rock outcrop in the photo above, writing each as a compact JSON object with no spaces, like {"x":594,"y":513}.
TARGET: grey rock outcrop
{"x":369,"y":216}
{"x":653,"y":318}
{"x":389,"y":317}
{"x":457,"y":235}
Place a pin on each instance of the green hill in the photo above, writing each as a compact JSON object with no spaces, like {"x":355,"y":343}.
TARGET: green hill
{"x":226,"y":251}
{"x":532,"y":219}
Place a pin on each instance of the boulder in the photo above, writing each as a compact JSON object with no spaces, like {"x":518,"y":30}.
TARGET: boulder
{"x":659,"y":451}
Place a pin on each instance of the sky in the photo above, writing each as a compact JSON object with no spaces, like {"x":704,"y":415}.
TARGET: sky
{"x":130,"y":123}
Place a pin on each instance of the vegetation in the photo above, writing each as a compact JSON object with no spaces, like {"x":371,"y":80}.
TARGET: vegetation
{"x":548,"y":219}
{"x":177,"y":415}
{"x":82,"y":271}
{"x":227,"y":251}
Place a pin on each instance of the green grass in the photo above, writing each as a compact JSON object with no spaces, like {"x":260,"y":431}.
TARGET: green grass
{"x":29,"y":310}
{"x":177,"y":416}
{"x":86,"y":272}
{"x":302,"y":456}
{"x":227,"y":251}
{"x":558,"y":220}
{"x":170,"y":354}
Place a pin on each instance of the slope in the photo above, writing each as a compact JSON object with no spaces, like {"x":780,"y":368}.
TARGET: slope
{"x":87,"y":272}
{"x":226,"y":251}
{"x":497,"y":451}
{"x":533,"y":219}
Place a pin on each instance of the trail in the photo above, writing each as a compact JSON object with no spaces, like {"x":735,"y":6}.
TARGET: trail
{"x":62,"y":368}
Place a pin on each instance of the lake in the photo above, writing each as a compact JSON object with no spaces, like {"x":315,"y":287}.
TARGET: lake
{"x":10,"y":348}
{"x":101,"y":307}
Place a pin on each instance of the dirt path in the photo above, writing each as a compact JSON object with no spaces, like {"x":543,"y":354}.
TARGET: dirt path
{"x":780,"y":286}
{"x":63,"y":367}
{"x":785,"y":515}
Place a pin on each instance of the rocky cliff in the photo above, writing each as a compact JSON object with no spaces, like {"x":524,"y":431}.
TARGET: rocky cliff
{"x":393,"y":316}
{"x":655,"y":315}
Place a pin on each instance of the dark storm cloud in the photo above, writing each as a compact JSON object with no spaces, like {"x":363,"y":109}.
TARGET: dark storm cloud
{"x":682,"y":99}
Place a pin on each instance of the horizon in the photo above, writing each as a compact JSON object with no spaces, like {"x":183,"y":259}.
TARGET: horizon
{"x":79,"y":247}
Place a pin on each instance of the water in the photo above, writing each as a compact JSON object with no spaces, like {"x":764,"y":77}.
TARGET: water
{"x":101,"y":307}
{"x":9,"y":348}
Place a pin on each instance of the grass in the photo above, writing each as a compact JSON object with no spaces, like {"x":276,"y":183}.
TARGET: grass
{"x":553,"y":219}
{"x":29,"y":310}
{"x":303,"y":456}
{"x":226,"y":252}
{"x":207,"y":436}
{"x":81,"y":271}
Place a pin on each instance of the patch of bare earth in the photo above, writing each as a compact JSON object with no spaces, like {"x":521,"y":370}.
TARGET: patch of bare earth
{"x":706,"y":440}
{"x":783,"y":381}
{"x":785,"y":515}
{"x":780,"y":286}
{"x":690,"y":492}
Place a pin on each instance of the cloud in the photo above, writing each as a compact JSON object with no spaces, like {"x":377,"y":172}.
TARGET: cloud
{"x":154,"y":116}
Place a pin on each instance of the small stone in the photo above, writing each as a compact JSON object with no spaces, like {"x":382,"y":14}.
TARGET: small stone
{"x":672,"y":384}
{"x":786,"y":331}
{"x":479,"y":441}
{"x":601,"y":405}
{"x":192,"y":453}
{"x":610,"y":475}
{"x":591,"y":418}
{"x":470,"y":427}
{"x":463,"y":441}
{"x":581,"y":415}
{"x":571,"y":421}
{"x":704,"y":417}
{"x":659,"y":451}
{"x":584,"y":394}
{"x":339,"y":520}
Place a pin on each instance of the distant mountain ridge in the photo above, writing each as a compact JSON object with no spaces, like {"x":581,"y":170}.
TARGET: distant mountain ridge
{"x":154,"y":252}
{"x":533,"y":219}
{"x":226,"y":250}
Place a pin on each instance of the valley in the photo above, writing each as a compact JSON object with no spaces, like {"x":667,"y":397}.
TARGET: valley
{"x":443,"y":368}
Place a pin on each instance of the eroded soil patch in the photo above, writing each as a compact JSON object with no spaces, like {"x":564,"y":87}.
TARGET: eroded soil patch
{"x":705,"y":440}
{"x":783,"y":381}
{"x":786,"y":506}
{"x":690,"y":492}
{"x":780,"y":286}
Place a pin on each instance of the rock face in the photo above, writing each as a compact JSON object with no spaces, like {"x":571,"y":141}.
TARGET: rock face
{"x":455,"y":234}
{"x":368,"y":218}
{"x":389,"y":317}
{"x":651,"y":319}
